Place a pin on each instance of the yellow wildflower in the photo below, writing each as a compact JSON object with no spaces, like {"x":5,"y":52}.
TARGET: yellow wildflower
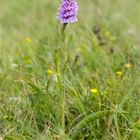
{"x":128,"y":65}
{"x":50,"y":72}
{"x":119,"y":73}
{"x":107,"y":34}
{"x":94,"y":90}
{"x":28,"y":40}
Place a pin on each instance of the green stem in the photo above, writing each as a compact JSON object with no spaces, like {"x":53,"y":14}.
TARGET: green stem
{"x":59,"y":80}
{"x":58,"y":70}
{"x":63,"y":112}
{"x":63,"y":31}
{"x":61,"y":88}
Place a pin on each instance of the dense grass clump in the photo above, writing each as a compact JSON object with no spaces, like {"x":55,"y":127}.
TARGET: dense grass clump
{"x":86,"y":87}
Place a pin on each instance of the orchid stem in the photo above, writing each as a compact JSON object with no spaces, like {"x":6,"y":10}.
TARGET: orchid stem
{"x":63,"y":31}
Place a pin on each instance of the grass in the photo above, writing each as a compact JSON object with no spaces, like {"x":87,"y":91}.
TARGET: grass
{"x":88,"y":90}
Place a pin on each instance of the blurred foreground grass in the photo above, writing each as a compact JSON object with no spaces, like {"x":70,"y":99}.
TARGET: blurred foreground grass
{"x":100,"y":57}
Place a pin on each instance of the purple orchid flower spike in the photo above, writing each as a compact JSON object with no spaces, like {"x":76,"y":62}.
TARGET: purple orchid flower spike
{"x":68,"y":11}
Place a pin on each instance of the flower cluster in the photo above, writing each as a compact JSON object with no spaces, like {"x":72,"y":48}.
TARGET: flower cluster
{"x":68,"y":11}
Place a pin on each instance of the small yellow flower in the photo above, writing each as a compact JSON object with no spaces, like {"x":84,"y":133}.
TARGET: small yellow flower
{"x":128,"y":65}
{"x":28,"y":40}
{"x":119,"y":73}
{"x":94,"y":90}
{"x":50,"y":72}
{"x":107,"y":34}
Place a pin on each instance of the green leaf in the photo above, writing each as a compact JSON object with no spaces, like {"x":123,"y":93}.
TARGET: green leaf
{"x":85,"y":121}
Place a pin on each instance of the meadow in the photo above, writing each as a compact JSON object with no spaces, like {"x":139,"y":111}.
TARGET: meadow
{"x":86,"y":87}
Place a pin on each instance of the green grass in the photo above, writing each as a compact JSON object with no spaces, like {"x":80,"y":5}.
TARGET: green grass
{"x":60,"y":106}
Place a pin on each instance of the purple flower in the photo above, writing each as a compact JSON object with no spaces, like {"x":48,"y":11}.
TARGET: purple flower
{"x":68,"y":11}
